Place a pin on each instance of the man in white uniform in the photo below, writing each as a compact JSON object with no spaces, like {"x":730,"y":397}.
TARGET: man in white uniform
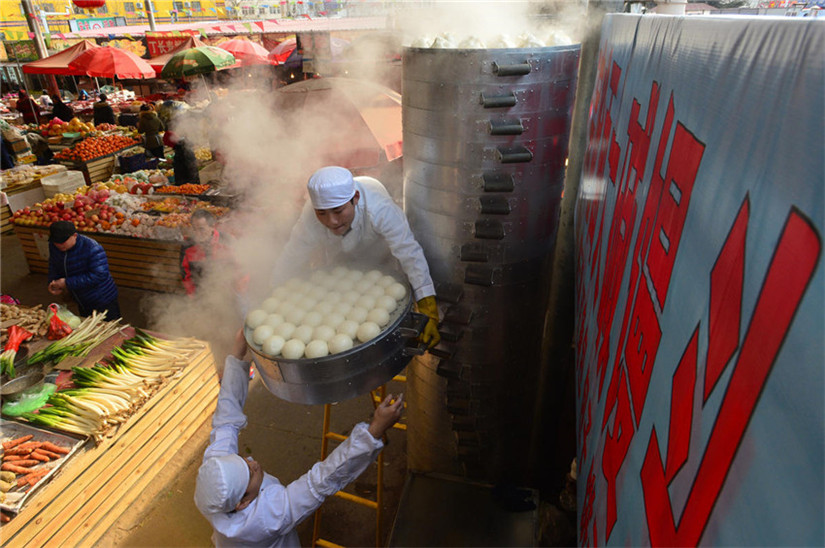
{"x":353,"y":220}
{"x":249,"y":507}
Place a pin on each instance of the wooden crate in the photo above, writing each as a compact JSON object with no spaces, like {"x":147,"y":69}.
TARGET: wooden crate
{"x":99,"y":169}
{"x":133,"y":262}
{"x":6,"y":227}
{"x":100,"y":486}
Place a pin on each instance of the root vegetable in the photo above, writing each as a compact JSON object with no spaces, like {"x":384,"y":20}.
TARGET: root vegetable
{"x":49,"y":446}
{"x":12,"y":443}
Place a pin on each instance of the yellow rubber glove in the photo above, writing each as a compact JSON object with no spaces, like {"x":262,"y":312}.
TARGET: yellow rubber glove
{"x":430,"y":335}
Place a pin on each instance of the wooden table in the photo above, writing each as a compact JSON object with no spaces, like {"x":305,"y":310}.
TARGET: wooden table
{"x":100,"y":485}
{"x":134,"y":262}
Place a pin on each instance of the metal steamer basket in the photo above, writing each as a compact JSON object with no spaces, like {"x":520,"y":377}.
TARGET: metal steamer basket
{"x":342,"y":376}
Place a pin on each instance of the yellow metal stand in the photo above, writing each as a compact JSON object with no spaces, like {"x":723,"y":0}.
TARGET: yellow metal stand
{"x":376,"y":396}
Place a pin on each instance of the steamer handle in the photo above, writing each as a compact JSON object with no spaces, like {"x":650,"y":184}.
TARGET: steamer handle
{"x":411,"y":328}
{"x":511,"y":70}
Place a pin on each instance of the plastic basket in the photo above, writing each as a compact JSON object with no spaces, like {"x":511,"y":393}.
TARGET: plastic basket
{"x":136,"y":162}
{"x":62,"y":183}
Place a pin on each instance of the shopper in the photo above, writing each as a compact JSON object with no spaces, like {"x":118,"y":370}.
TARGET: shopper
{"x":184,"y":163}
{"x":354,"y":219}
{"x":103,"y":113}
{"x":150,"y":126}
{"x":248,"y":507}
{"x":78,"y":264}
{"x":27,"y":107}
{"x":61,"y":110}
{"x":203,"y":246}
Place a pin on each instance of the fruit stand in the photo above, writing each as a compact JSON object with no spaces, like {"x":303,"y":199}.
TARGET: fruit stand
{"x":141,"y":233}
{"x":106,"y":481}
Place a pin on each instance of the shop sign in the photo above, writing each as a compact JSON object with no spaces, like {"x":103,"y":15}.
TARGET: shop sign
{"x":96,"y":23}
{"x":159,"y":43}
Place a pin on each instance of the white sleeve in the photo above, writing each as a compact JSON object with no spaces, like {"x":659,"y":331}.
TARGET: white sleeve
{"x":389,"y":220}
{"x":229,"y":417}
{"x":303,"y":241}
{"x":325,"y":478}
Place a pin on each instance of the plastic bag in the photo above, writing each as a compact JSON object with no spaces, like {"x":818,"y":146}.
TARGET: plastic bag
{"x":57,"y":327}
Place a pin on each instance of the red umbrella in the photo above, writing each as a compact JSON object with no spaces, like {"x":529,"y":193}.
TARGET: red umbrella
{"x":281,"y":52}
{"x":110,"y":62}
{"x":247,"y":51}
{"x":59,"y":62}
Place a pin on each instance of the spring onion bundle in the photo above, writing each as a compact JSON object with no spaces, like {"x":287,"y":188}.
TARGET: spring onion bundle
{"x":91,"y":332}
{"x":111,"y":391}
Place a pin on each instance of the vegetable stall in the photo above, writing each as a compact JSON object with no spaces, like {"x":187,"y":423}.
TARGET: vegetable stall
{"x":112,"y":406}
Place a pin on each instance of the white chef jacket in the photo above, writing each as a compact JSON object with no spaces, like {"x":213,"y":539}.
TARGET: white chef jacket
{"x":271,"y":518}
{"x":379,"y":232}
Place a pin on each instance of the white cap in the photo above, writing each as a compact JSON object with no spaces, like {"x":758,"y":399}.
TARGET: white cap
{"x":331,"y":187}
{"x":221,"y":483}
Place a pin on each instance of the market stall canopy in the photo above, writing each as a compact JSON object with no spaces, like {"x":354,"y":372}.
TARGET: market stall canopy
{"x":160,"y":61}
{"x":59,"y":62}
{"x":199,"y":60}
{"x":366,"y":115}
{"x":247,"y":51}
{"x":109,"y":62}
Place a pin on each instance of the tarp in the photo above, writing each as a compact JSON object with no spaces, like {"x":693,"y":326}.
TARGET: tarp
{"x":700,"y":287}
{"x":59,"y":62}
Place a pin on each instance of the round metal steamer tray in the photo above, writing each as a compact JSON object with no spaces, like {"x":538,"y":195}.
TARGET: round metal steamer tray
{"x":345,"y":375}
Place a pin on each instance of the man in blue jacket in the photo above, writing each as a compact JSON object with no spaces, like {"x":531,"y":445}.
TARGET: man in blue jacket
{"x":79,"y":264}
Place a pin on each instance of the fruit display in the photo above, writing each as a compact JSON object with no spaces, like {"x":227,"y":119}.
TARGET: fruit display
{"x":57,"y":127}
{"x":188,"y":188}
{"x":203,"y":154}
{"x":111,"y":208}
{"x":96,"y":147}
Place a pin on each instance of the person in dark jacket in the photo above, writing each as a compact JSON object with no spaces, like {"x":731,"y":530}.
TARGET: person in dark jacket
{"x":79,"y":264}
{"x":27,"y":107}
{"x":184,"y":163}
{"x":150,"y":126}
{"x":61,"y":110}
{"x":103,"y":113}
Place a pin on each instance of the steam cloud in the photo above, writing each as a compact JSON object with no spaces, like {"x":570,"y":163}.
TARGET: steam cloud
{"x":269,"y":152}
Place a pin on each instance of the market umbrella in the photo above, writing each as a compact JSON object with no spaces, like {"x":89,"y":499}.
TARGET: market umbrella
{"x":246,"y":51}
{"x":280,"y":53}
{"x":160,"y":61}
{"x":110,"y":62}
{"x":59,"y":62}
{"x":365,"y":118}
{"x":199,"y":60}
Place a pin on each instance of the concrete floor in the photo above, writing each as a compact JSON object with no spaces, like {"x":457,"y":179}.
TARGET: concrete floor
{"x":284,"y":437}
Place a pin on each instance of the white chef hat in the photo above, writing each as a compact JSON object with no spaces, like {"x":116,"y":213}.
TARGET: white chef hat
{"x":221,"y":483}
{"x":331,"y":187}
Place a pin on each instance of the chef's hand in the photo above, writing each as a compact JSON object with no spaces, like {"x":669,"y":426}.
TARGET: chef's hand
{"x":430,"y":335}
{"x":386,"y":414}
{"x":56,"y":287}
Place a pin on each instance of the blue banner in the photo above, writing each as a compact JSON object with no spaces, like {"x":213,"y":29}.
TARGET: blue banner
{"x":700,"y":289}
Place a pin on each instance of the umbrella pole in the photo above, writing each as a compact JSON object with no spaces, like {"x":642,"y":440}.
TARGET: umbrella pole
{"x":206,"y":87}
